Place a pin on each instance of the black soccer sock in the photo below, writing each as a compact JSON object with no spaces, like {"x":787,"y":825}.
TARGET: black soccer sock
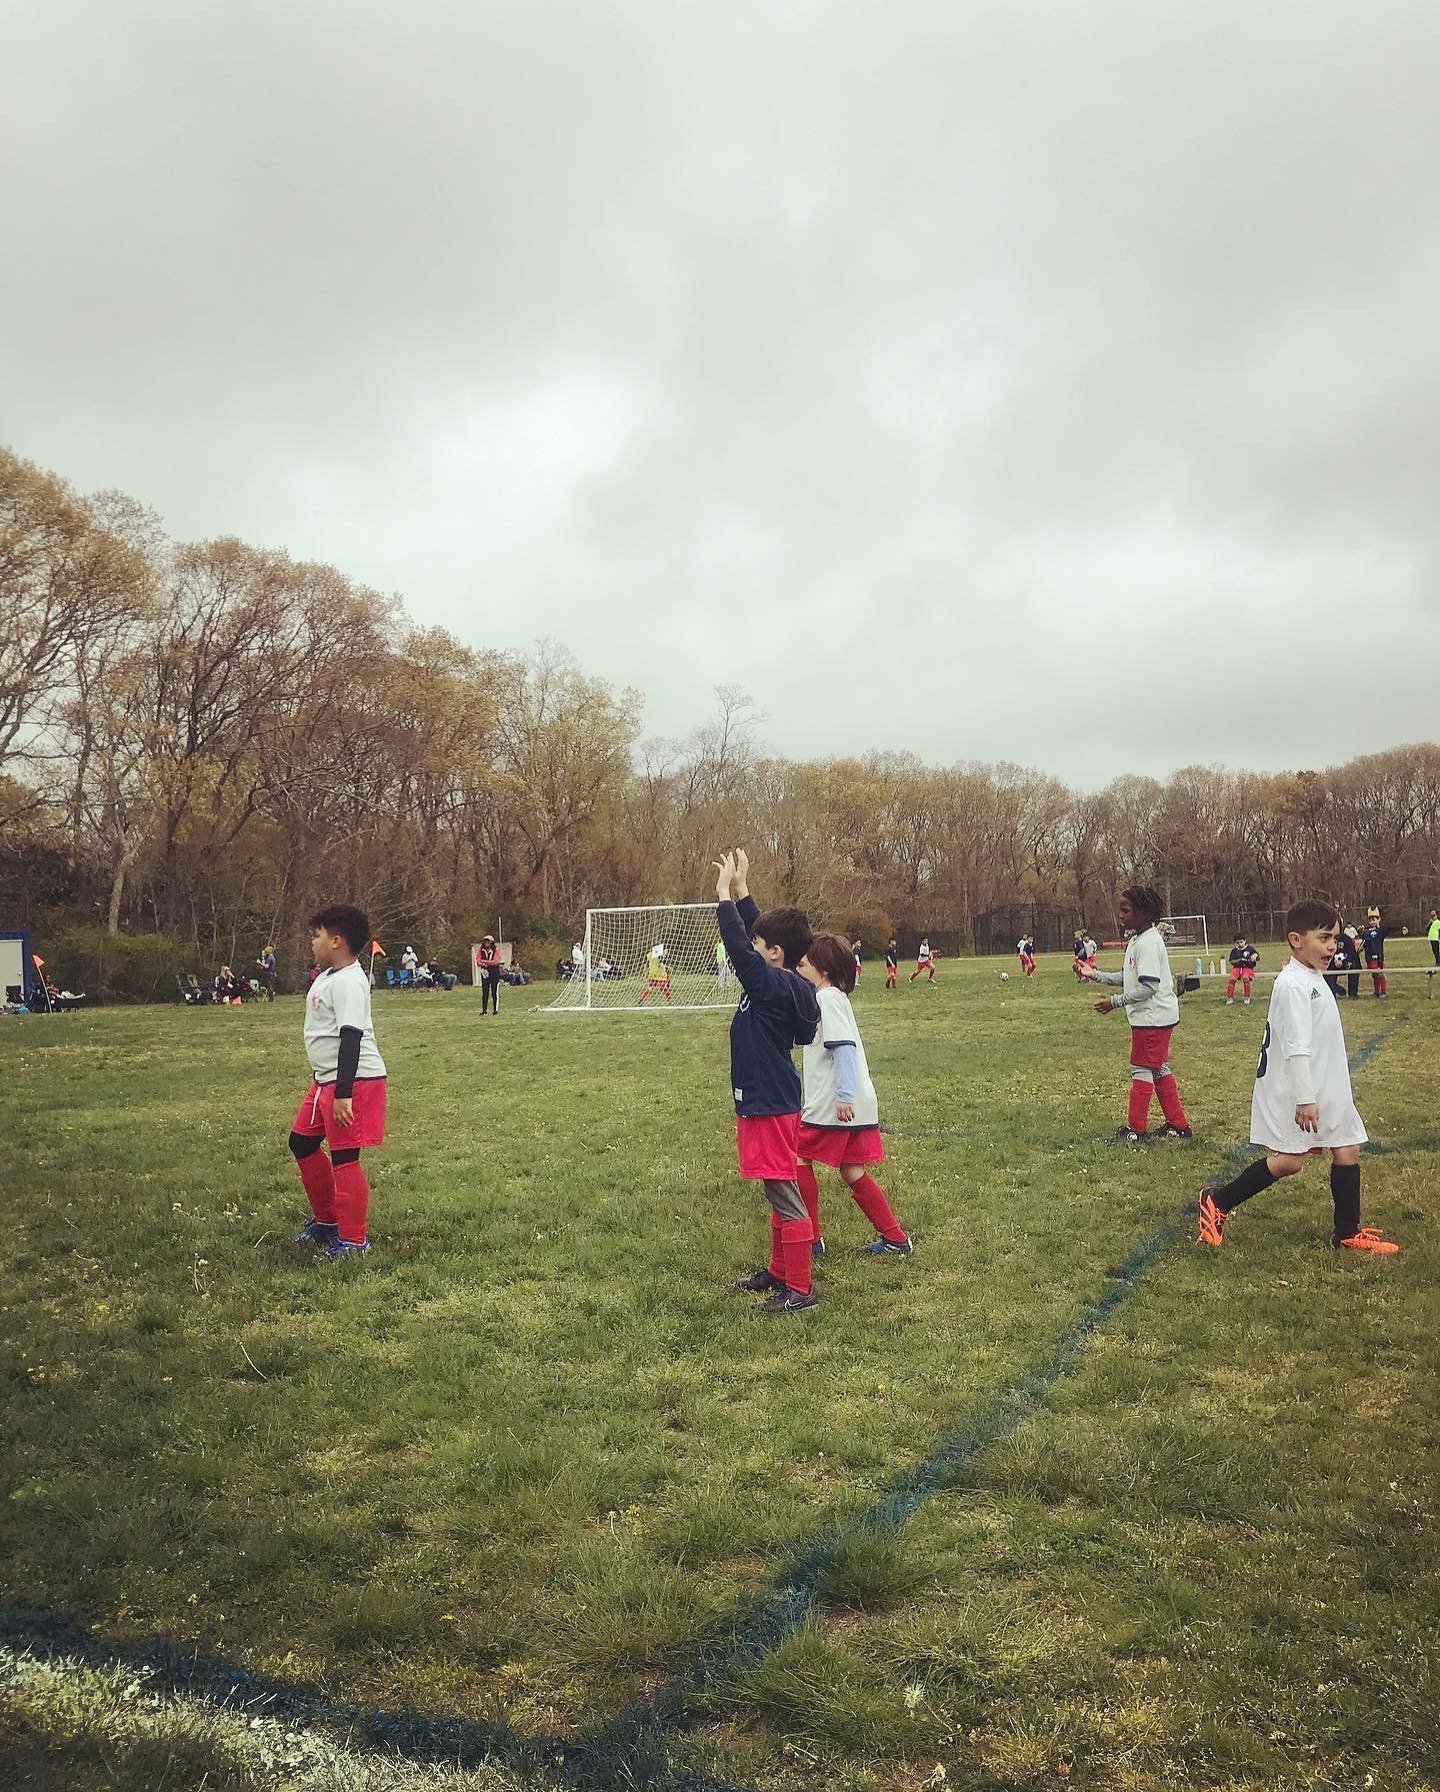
{"x":1253,"y":1180}
{"x":1345,"y":1192}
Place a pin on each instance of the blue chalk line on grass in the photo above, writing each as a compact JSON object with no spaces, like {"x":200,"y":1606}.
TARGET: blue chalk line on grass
{"x":629,"y":1752}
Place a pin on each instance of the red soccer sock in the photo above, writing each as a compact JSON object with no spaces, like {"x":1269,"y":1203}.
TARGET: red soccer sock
{"x":777,"y":1249}
{"x":319,"y":1180}
{"x":796,"y":1237}
{"x":352,"y":1202}
{"x":809,"y":1193}
{"x":870,"y":1199}
{"x":1171,"y":1105}
{"x":1141,"y":1089}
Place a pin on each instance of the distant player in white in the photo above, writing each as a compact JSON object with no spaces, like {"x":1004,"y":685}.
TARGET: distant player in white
{"x":1302,"y":1102}
{"x":924,"y":961}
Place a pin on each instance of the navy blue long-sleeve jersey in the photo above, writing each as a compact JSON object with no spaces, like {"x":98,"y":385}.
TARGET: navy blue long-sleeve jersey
{"x":1373,"y":940}
{"x":778,"y":1011}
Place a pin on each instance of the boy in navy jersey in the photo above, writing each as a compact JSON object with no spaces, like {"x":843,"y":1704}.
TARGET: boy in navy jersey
{"x":892,"y":962}
{"x":778,"y":1011}
{"x":344,"y":1107}
{"x":1373,"y":941}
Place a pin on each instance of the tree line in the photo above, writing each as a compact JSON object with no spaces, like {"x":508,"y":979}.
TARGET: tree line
{"x":200,"y":742}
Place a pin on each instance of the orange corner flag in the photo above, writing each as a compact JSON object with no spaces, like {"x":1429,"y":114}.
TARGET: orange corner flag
{"x":38,"y":960}
{"x":376,"y":949}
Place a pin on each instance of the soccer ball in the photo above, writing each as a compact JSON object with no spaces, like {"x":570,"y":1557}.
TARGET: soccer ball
{"x":1004,"y":976}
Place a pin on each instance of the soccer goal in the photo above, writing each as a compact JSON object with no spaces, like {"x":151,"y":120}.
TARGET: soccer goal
{"x":1185,"y":930}
{"x":644,"y":959}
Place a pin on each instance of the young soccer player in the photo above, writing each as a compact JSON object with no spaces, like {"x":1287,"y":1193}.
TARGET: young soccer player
{"x":1077,"y":949}
{"x":1432,"y":933}
{"x":840,"y":1122}
{"x":778,"y":1011}
{"x":345,"y":1105}
{"x":856,"y":949}
{"x":488,"y":962}
{"x":1025,"y":948}
{"x":1244,"y":962}
{"x":892,"y":963}
{"x":1373,"y":942}
{"x":1147,"y":994}
{"x":924,"y":961}
{"x":657,"y":974}
{"x":1302,"y":1102}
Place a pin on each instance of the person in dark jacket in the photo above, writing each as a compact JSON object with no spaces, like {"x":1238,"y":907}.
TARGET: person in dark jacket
{"x":778,"y":1011}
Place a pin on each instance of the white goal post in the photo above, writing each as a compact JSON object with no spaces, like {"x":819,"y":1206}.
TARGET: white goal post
{"x":1185,"y":930}
{"x":649,"y":960}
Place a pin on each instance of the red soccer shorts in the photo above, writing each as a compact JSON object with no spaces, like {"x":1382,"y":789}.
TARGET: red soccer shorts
{"x":1149,"y":1047}
{"x":316,"y":1118}
{"x":837,"y":1145}
{"x":766,"y":1143}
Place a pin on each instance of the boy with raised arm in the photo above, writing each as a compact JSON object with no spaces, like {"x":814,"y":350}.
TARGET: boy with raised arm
{"x":778,"y":1011}
{"x":1302,"y":1102}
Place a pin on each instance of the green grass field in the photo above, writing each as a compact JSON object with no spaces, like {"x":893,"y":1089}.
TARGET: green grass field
{"x":529,"y":1458}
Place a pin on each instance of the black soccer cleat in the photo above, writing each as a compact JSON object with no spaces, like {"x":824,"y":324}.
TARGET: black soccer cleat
{"x":762,"y":1282}
{"x":1127,"y":1135}
{"x":783,"y":1302}
{"x":1167,"y":1131}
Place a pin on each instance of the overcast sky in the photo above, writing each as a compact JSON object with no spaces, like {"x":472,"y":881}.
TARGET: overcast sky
{"x":1048,"y":382}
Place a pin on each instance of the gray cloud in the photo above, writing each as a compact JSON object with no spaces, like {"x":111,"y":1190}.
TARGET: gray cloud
{"x":938,"y":373}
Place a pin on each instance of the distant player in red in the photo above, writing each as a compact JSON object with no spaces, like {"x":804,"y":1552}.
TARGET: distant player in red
{"x":1025,"y":947}
{"x":345,"y":1105}
{"x":855,"y":948}
{"x":924,"y":961}
{"x":892,"y":962}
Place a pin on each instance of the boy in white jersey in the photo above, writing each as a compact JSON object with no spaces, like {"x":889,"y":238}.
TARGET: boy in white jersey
{"x":840,"y":1121}
{"x":1147,"y":994}
{"x":345,"y":1105}
{"x":1302,"y":1101}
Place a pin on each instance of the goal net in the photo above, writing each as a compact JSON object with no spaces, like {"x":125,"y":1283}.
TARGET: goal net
{"x":649,"y":958}
{"x":1185,"y":930}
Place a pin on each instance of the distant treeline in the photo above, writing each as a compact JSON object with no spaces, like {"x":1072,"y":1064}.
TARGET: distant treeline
{"x":203,"y":741}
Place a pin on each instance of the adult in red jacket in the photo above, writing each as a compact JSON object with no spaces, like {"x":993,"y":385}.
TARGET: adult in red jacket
{"x":487,"y":962}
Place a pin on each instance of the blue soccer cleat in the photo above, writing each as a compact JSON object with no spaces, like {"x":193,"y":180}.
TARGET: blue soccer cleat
{"x":887,"y":1247}
{"x":318,"y":1232}
{"x":342,"y":1247}
{"x":817,"y":1247}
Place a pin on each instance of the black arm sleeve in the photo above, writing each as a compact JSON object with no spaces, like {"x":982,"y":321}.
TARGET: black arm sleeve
{"x":349,"y":1063}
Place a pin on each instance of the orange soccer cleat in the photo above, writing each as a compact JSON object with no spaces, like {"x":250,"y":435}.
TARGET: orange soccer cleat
{"x":1212,"y":1221}
{"x":1368,"y":1238}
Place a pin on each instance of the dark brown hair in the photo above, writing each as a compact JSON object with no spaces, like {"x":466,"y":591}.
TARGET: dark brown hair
{"x":787,"y":928}
{"x":1311,"y":914}
{"x":830,"y":954}
{"x":1145,"y":901}
{"x":348,"y":922}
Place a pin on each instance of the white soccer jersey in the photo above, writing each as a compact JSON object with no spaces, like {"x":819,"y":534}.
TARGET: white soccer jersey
{"x":340,"y":998}
{"x":1303,"y":1024}
{"x":924,"y":955}
{"x":837,"y":1027}
{"x":1146,"y":956}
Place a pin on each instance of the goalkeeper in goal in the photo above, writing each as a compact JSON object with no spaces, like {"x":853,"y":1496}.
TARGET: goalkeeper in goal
{"x":779,"y":1011}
